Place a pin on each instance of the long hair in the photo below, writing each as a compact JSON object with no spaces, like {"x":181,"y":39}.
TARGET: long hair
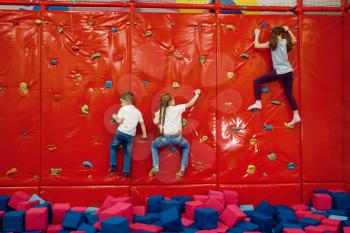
{"x":163,"y":104}
{"x":279,"y":31}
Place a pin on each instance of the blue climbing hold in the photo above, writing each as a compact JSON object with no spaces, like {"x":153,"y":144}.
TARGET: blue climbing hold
{"x":291,"y":166}
{"x":87,"y":164}
{"x":145,"y":83}
{"x":263,"y":25}
{"x":267,"y":127}
{"x":53,"y":62}
{"x":173,"y":149}
{"x":265,"y":90}
{"x":108,"y":84}
{"x":114,"y":30}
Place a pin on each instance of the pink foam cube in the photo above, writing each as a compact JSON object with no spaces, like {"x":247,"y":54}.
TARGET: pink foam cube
{"x":202,"y":198}
{"x":36,"y":219}
{"x":215,"y":192}
{"x":123,"y":199}
{"x":139,"y":210}
{"x":332,"y":229}
{"x":219,"y":198}
{"x":120,"y":209}
{"x":322,"y":201}
{"x":331,"y":222}
{"x":26,"y":205}
{"x":300,"y":207}
{"x":107,"y":202}
{"x":214,"y":204}
{"x":18,"y":197}
{"x":314,"y":216}
{"x":59,"y":210}
{"x":315,"y":229}
{"x":302,"y":213}
{"x":231,"y":197}
{"x":2,"y":213}
{"x":232,"y":215}
{"x":79,"y":209}
{"x":346,"y":229}
{"x":54,"y":228}
{"x":97,"y":225}
{"x":293,"y":230}
{"x":186,"y":221}
{"x":190,"y":206}
{"x":145,"y":227}
{"x":222,"y":228}
{"x":247,"y":219}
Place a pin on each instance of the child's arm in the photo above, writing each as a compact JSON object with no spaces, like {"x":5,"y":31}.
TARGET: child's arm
{"x":156,"y":118}
{"x":143,"y":128}
{"x":197,"y":92}
{"x":294,"y":39}
{"x":117,"y":119}
{"x":257,"y":44}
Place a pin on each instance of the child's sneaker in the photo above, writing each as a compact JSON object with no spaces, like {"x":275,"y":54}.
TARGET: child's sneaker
{"x":180,"y":174}
{"x":153,"y":171}
{"x":126,"y":174}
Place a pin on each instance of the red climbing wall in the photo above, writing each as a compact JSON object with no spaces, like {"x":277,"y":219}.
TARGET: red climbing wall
{"x":346,"y":130}
{"x":147,"y":54}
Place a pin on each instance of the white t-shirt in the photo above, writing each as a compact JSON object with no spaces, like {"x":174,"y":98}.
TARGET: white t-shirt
{"x":173,"y":115}
{"x":131,"y":117}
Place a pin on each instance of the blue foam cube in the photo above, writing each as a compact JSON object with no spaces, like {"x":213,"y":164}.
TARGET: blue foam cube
{"x":265,"y":222}
{"x":322,"y":191}
{"x":337,"y":212}
{"x":190,"y":230}
{"x":31,"y":232}
{"x":72,"y":220}
{"x":341,"y":201}
{"x":206,"y":218}
{"x":338,"y":217}
{"x":155,"y":217}
{"x":246,"y":207}
{"x":143,"y":219}
{"x":346,"y":223}
{"x":154,"y":203}
{"x":35,"y":197}
{"x":236,"y":229}
{"x":290,"y":225}
{"x":91,"y":218}
{"x":49,"y":210}
{"x":91,"y":210}
{"x":115,"y":224}
{"x":87,"y":228}
{"x":248,"y":226}
{"x":182,"y":200}
{"x":265,"y":208}
{"x":168,"y":204}
{"x":13,"y":221}
{"x":3,"y":202}
{"x":278,"y":228}
{"x":63,"y":231}
{"x":158,"y":223}
{"x":290,"y":217}
{"x":304,"y":222}
{"x":249,"y":213}
{"x":171,"y":220}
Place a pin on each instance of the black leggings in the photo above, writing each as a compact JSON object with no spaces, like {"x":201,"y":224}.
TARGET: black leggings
{"x":287,"y":81}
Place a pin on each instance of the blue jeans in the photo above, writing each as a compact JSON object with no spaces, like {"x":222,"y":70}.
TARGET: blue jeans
{"x":121,"y":139}
{"x":168,"y":141}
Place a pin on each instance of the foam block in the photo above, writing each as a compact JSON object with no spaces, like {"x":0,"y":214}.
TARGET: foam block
{"x":119,"y":209}
{"x":338,"y":217}
{"x":97,"y":225}
{"x":222,"y":228}
{"x":115,"y":224}
{"x":322,"y":201}
{"x":302,"y":213}
{"x":155,"y":217}
{"x":154,"y":203}
{"x":26,"y":205}
{"x":72,"y":220}
{"x":314,"y":216}
{"x":90,"y":218}
{"x":214,"y":204}
{"x":288,"y":217}
{"x":300,"y":207}
{"x":337,"y":212}
{"x":13,"y":221}
{"x":86,"y":228}
{"x":165,"y":205}
{"x":231,"y":197}
{"x":182,"y":200}
{"x":16,"y":198}
{"x":191,"y":229}
{"x":107,"y":202}
{"x":4,"y":200}
{"x":49,"y":210}
{"x":265,"y":208}
{"x":293,"y":230}
{"x":142,"y":219}
{"x":215,"y":192}
{"x":246,"y":207}
{"x":59,"y":210}
{"x":170,"y":219}
{"x":36,"y":219}
{"x":35,"y":197}
{"x":201,"y":198}
{"x":54,"y":228}
{"x":331,"y":222}
{"x":78,"y":209}
{"x":140,"y":227}
{"x":186,"y":222}
{"x":304,"y":222}
{"x":346,"y":229}
{"x":315,"y":229}
{"x":248,"y":226}
{"x":92,"y":210}
{"x":206,"y":219}
{"x":122,"y":199}
{"x":190,"y":207}
{"x":341,"y":201}
{"x":331,"y":229}
{"x":232,"y":215}
{"x":346,"y":223}
{"x":77,"y":232}
{"x":265,"y":222}
{"x":219,"y":198}
{"x":139,"y":210}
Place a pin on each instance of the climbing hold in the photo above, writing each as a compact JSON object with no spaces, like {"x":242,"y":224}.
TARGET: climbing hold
{"x":173,"y":149}
{"x":114,"y":30}
{"x":267,"y":127}
{"x":24,"y":133}
{"x":108,"y":84}
{"x":87,"y":164}
{"x":171,"y":24}
{"x":230,"y":75}
{"x":91,"y":22}
{"x":75,"y":47}
{"x":264,"y":174}
{"x":229,"y":27}
{"x":251,"y":169}
{"x":176,"y":85}
{"x":55,"y":171}
{"x":253,"y":141}
{"x":14,"y":23}
{"x":59,"y":29}
{"x":202,"y":59}
{"x":214,"y":25}
{"x":56,"y":98}
{"x":245,"y":56}
{"x":89,"y":176}
{"x":272,"y":156}
{"x":135,"y":23}
{"x":51,"y":147}
{"x":291,"y":166}
{"x":1,"y":89}
{"x":91,"y":90}
{"x":235,"y":129}
{"x":184,"y":122}
{"x":263,"y":25}
{"x":78,"y":77}
{"x":128,"y":23}
{"x":265,"y":90}
{"x":204,"y":138}
{"x":35,"y":177}
{"x":296,"y":27}
{"x":145,"y":83}
{"x":85,"y":109}
{"x":198,"y":27}
{"x":228,"y":104}
{"x":23,"y":87}
{"x":148,"y":33}
{"x":178,"y":55}
{"x":288,"y":126}
{"x":95,"y":56}
{"x":276,"y":102}
{"x":38,"y":21}
{"x":53,"y":62}
{"x":11,"y":171}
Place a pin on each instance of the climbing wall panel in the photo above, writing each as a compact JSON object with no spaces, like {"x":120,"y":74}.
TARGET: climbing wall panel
{"x":19,"y":98}
{"x":176,"y":54}
{"x":254,"y":147}
{"x":322,"y":99}
{"x":85,"y":69}
{"x":346,"y":83}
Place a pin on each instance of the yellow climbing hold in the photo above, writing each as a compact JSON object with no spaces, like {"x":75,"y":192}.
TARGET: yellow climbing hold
{"x":251,"y":169}
{"x":35,"y":177}
{"x":176,"y":85}
{"x":78,"y":77}
{"x":184,"y":122}
{"x":253,"y":141}
{"x":230,"y":27}
{"x":230,"y":75}
{"x":228,"y":104}
{"x":204,"y":138}
{"x":55,"y":171}
{"x":51,"y":147}
{"x":91,"y":90}
{"x":11,"y":171}
{"x":85,"y":109}
{"x":59,"y":29}
{"x":288,"y":126}
{"x":23,"y":87}
{"x":148,"y":33}
{"x":38,"y":21}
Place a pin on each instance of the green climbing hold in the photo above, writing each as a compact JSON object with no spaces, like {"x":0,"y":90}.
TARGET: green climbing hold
{"x":276,"y":102}
{"x":272,"y":156}
{"x":95,"y":56}
{"x":85,"y":109}
{"x":245,"y":56}
{"x":184,"y":122}
{"x":55,"y":171}
{"x":59,"y":29}
{"x":202,"y":59}
{"x":230,"y":75}
{"x":267,"y":127}
{"x":235,"y":129}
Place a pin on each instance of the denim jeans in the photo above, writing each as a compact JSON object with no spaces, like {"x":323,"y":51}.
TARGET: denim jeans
{"x":121,"y":139}
{"x":168,"y":141}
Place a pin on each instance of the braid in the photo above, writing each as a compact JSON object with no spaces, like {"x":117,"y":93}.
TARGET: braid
{"x":163,"y":104}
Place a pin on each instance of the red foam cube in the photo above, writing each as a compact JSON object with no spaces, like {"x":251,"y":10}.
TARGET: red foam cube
{"x":26,"y":205}
{"x":300,"y":207}
{"x":219,"y":198}
{"x":215,"y":192}
{"x":293,"y":230}
{"x":322,"y":201}
{"x":107,"y":202}
{"x":59,"y":211}
{"x":36,"y":219}
{"x":332,"y":229}
{"x":18,"y":197}
{"x":346,"y":229}
{"x":139,"y":210}
{"x":202,"y":198}
{"x":302,"y":213}
{"x":232,"y":215}
{"x":315,"y":229}
{"x":231,"y":197}
{"x":190,"y":206}
{"x":79,"y":209}
{"x":54,"y":228}
{"x":145,"y":227}
{"x":314,"y":216}
{"x":120,"y":209}
{"x":214,"y":204}
{"x":222,"y":228}
{"x":331,"y":222}
{"x":97,"y":225}
{"x":186,"y":221}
